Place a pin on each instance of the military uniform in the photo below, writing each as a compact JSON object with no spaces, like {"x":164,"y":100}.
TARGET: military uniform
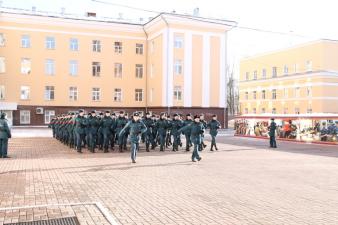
{"x":161,"y":126}
{"x":176,"y":124}
{"x":272,"y":134}
{"x":106,"y":124}
{"x":5,"y":133}
{"x":80,"y":131}
{"x":148,"y":136}
{"x":93,"y":124}
{"x":213,"y":125}
{"x":187,"y":133}
{"x":121,"y":121}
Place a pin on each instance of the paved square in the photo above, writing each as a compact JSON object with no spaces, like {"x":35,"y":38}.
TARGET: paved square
{"x":243,"y":183}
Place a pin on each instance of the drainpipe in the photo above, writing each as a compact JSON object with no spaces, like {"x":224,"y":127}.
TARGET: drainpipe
{"x":167,"y":93}
{"x":225,"y":113}
{"x":146,"y":65}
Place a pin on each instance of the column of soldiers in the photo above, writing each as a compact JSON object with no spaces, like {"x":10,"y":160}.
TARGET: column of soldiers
{"x":106,"y":130}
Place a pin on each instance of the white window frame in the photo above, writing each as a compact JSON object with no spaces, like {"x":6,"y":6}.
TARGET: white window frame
{"x":117,"y":95}
{"x":254,"y":94}
{"x":138,"y":95}
{"x":24,"y":93}
{"x":2,"y":65}
{"x":96,"y":45}
{"x":274,"y":94}
{"x":263,"y":96}
{"x":139,"y":49}
{"x":25,"y":41}
{"x":49,"y":93}
{"x":50,"y":43}
{"x":96,"y":94}
{"x":118,"y":70}
{"x":2,"y":92}
{"x":274,"y":72}
{"x":49,"y":115}
{"x":247,"y":75}
{"x":254,"y":110}
{"x":139,"y":70}
{"x":178,"y":93}
{"x":264,"y":73}
{"x":74,"y":44}
{"x":263,"y":110}
{"x":118,"y":47}
{"x":286,"y":70}
{"x":246,"y":95}
{"x":73,"y":93}
{"x":96,"y":69}
{"x":285,"y":92}
{"x":50,"y":67}
{"x":25,"y":116}
{"x":274,"y":111}
{"x":178,"y":42}
{"x":255,"y":75}
{"x":26,"y":66}
{"x":297,"y":92}
{"x":178,"y":67}
{"x":73,"y":67}
{"x":308,"y":65}
{"x":297,"y":110}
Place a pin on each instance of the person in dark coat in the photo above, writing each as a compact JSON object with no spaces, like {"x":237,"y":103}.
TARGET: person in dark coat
{"x":186,"y":133}
{"x":176,"y":124}
{"x":106,"y":124}
{"x":80,"y":130}
{"x":5,"y":133}
{"x":148,"y":136}
{"x":136,"y":128}
{"x":272,"y":133}
{"x":162,"y":126}
{"x":213,"y":125}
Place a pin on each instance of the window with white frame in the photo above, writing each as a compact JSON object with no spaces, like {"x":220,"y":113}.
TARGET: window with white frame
{"x":274,"y":71}
{"x":178,"y":93}
{"x":274,"y":111}
{"x":263,"y":94}
{"x":96,"y":69}
{"x":138,"y":95}
{"x":139,"y":49}
{"x":247,"y":76}
{"x":2,"y":40}
{"x":139,"y":70}
{"x":246,"y":95}
{"x":50,"y":42}
{"x":49,"y":67}
{"x":49,"y":93}
{"x":263,"y":73}
{"x":73,"y":67}
{"x":2,"y":92}
{"x":117,"y":95}
{"x":2,"y":65}
{"x":49,"y":115}
{"x":295,"y":68}
{"x":118,"y":70}
{"x":274,"y":94}
{"x":26,"y":66}
{"x":255,"y":75}
{"x":24,"y":93}
{"x":25,"y":41}
{"x":285,"y":93}
{"x":96,"y":45}
{"x":254,"y":110}
{"x":297,"y":92}
{"x":73,"y":44}
{"x":118,"y":47}
{"x":263,"y":110}
{"x":178,"y":67}
{"x":285,"y":110}
{"x":96,"y":94}
{"x":254,"y":93}
{"x":309,"y":109}
{"x":178,"y":42}
{"x":73,"y":93}
{"x":25,"y":117}
{"x":297,"y":111}
{"x":286,"y":70}
{"x":309,"y":91}
{"x":308,"y":65}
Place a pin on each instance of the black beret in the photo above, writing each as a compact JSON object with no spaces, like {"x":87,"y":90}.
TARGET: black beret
{"x":272,"y":118}
{"x":113,"y":114}
{"x":153,"y":115}
{"x":72,"y":114}
{"x":93,"y":111}
{"x":175,"y":114}
{"x":101,"y":113}
{"x":196,"y":116}
{"x":121,"y":112}
{"x":81,"y":111}
{"x":214,"y":115}
{"x":189,"y":114}
{"x":136,"y":114}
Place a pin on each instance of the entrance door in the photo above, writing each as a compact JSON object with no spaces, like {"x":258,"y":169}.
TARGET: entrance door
{"x":9,"y":114}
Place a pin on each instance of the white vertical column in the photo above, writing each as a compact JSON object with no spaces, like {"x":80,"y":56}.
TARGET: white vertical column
{"x":187,"y":90}
{"x":206,"y":71}
{"x":164,"y":66}
{"x":170,"y":87}
{"x":222,"y":73}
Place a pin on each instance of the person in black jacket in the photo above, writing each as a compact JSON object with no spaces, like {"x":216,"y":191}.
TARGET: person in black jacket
{"x":5,"y":133}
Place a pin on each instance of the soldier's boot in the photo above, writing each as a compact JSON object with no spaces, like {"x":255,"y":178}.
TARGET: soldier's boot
{"x":105,"y":150}
{"x":187,"y":149}
{"x":212,"y":147}
{"x":147,"y":147}
{"x":161,"y":148}
{"x":120,"y":148}
{"x":216,"y":147}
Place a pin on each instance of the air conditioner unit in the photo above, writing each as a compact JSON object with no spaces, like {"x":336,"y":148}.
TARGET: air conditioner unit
{"x":39,"y":110}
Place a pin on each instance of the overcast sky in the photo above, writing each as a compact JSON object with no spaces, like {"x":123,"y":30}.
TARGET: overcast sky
{"x":301,"y":21}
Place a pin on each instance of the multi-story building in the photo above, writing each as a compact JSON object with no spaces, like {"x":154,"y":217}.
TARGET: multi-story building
{"x":55,"y":64}
{"x":298,"y":80}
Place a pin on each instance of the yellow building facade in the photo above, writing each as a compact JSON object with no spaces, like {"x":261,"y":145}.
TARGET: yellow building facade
{"x":55,"y":64}
{"x":298,"y":80}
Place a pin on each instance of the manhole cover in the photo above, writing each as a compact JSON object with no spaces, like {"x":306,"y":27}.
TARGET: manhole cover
{"x":60,"y":221}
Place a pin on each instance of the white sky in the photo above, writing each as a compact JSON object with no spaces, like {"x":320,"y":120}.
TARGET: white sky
{"x":312,"y":19}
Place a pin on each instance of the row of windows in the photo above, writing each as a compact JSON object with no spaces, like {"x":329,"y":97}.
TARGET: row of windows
{"x":274,"y":111}
{"x":25,"y":116}
{"x":50,"y":43}
{"x":26,"y":67}
{"x":49,"y":93}
{"x":274,"y":93}
{"x":274,"y":70}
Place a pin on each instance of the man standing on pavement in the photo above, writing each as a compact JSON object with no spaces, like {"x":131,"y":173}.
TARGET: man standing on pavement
{"x":272,"y":133}
{"x":136,"y":128}
{"x":106,"y":124}
{"x":80,"y":130}
{"x":213,"y":125}
{"x":5,"y":133}
{"x":186,"y":133}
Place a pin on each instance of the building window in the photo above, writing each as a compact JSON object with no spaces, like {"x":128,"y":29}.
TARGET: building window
{"x":308,"y":65}
{"x":178,"y":66}
{"x":139,"y":70}
{"x":50,"y":42}
{"x":246,"y":111}
{"x":25,"y":117}
{"x":177,"y":93}
{"x":96,"y":69}
{"x":118,"y":47}
{"x":255,"y":75}
{"x":297,"y":110}
{"x":247,"y":76}
{"x":178,"y":42}
{"x":263,"y":110}
{"x":286,"y":70}
{"x":49,"y":93}
{"x":24,"y":93}
{"x":138,"y":95}
{"x":25,"y":66}
{"x":274,"y":94}
{"x":73,"y":44}
{"x":73,"y":67}
{"x":285,"y":93}
{"x":295,"y":67}
{"x":96,"y":94}
{"x":255,"y":95}
{"x":2,"y":92}
{"x":246,"y":95}
{"x":274,"y":71}
{"x":139,"y":49}
{"x":274,"y":111}
{"x":2,"y":40}
{"x":2,"y":65}
{"x":118,"y":70}
{"x":263,"y":94}
{"x":297,"y":92}
{"x":309,"y":110}
{"x":117,"y":95}
{"x":254,"y":111}
{"x":25,"y":41}
{"x":49,"y":115}
{"x":73,"y":93}
{"x":49,"y":67}
{"x":263,"y":73}
{"x":96,"y":45}
{"x":309,"y":91}
{"x":286,"y":110}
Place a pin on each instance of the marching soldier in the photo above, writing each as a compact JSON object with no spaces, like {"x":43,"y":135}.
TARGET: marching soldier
{"x":148,"y":136}
{"x":272,"y":133}
{"x":162,"y":125}
{"x":5,"y":133}
{"x":202,"y":120}
{"x":106,"y":125}
{"x":93,"y":125}
{"x":213,"y":125}
{"x":187,"y":133}
{"x":136,"y":127}
{"x":80,"y":130}
{"x":176,"y":124}
{"x":120,"y":123}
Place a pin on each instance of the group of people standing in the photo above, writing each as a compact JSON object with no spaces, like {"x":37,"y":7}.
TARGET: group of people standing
{"x":105,"y":130}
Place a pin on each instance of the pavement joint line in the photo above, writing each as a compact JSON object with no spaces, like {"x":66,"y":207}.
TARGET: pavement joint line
{"x":103,"y":210}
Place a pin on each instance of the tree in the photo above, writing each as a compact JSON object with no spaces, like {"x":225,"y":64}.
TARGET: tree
{"x":232,"y":92}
